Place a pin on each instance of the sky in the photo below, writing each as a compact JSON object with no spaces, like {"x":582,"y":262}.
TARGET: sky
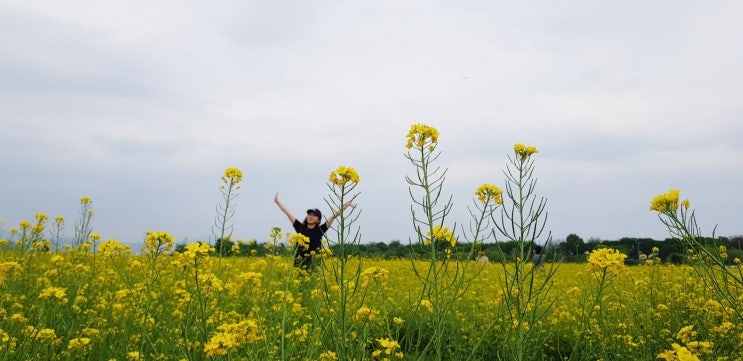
{"x":142,"y":105}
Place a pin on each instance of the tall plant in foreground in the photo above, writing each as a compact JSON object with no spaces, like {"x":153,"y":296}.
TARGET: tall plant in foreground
{"x":223,"y":224}
{"x":340,"y":275}
{"x":604,"y":264}
{"x":525,"y":287}
{"x":443,"y":281}
{"x":709,"y":257}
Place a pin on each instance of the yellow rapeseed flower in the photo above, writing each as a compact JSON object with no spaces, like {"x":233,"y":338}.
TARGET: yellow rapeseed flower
{"x":489,"y":191}
{"x":328,"y":356}
{"x":428,"y":305}
{"x":157,"y":242}
{"x":366,"y":313}
{"x":299,"y":240}
{"x":376,"y":272}
{"x":606,"y":259}
{"x":678,"y":353}
{"x":57,"y":293}
{"x":112,"y":247}
{"x":388,"y":345}
{"x":78,"y":343}
{"x":443,"y":234}
{"x":198,"y":250}
{"x":41,"y":217}
{"x":232,"y":176}
{"x":343,"y":175}
{"x":421,"y":135}
{"x":666,"y":202}
{"x":523,"y":151}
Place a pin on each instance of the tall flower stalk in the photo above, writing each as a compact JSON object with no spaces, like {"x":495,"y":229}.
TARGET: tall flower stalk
{"x":341,"y":273}
{"x":489,"y":199}
{"x":83,"y":227}
{"x":223,"y":223}
{"x":443,"y":279}
{"x":525,"y":287}
{"x":604,"y":264}
{"x":710,"y":257}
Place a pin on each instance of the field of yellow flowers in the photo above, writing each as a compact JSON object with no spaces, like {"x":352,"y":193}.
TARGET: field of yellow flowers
{"x":191,"y":306}
{"x":93,"y":300}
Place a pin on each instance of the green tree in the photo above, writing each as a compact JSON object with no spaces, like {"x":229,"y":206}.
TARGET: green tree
{"x":574,"y":245}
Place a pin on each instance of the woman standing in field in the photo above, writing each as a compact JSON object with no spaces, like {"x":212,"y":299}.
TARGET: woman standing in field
{"x":311,"y":228}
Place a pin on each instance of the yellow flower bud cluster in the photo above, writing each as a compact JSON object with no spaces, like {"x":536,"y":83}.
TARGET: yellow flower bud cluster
{"x":231,"y":336}
{"x":157,"y":242}
{"x":232,"y":176}
{"x":421,"y":135}
{"x":113,"y":247}
{"x":523,"y":151}
{"x":441,"y":234}
{"x":606,"y":259}
{"x":58,"y":293}
{"x":489,"y":191}
{"x":343,"y":175}
{"x":668,"y":201}
{"x":388,"y":347}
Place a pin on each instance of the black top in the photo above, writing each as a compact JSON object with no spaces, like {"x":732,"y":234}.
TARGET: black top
{"x":314,"y":234}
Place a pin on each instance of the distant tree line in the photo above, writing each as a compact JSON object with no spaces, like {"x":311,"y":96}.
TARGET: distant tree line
{"x":572,"y":249}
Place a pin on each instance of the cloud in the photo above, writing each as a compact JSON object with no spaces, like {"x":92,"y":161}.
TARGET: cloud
{"x":142,"y":106}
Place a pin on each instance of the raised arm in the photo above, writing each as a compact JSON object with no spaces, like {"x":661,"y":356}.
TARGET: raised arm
{"x":337,"y":213}
{"x":284,"y":209}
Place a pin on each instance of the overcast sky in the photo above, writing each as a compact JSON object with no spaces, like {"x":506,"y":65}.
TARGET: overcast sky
{"x":142,"y":105}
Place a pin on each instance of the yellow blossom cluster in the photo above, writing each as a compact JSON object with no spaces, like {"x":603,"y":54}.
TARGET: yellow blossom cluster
{"x":441,"y":234}
{"x":691,"y":349}
{"x":79,"y":343}
{"x":343,"y":175}
{"x":376,"y":272}
{"x":232,"y":176}
{"x":231,"y":336}
{"x":58,"y":293}
{"x":523,"y":151}
{"x":158,"y":242}
{"x":198,"y":250}
{"x":388,"y":347}
{"x":112,"y":247}
{"x":365,"y":313}
{"x":668,"y":202}
{"x":328,"y":356}
{"x":427,"y":305}
{"x":421,"y":135}
{"x":488,"y":191}
{"x":606,"y":259}
{"x":299,"y":240}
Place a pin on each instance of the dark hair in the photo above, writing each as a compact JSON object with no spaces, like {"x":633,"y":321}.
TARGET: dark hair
{"x":314,"y":211}
{"x":538,"y":249}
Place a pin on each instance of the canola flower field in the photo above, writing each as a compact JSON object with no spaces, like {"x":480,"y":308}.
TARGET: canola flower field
{"x":190,"y":306}
{"x":93,"y":300}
